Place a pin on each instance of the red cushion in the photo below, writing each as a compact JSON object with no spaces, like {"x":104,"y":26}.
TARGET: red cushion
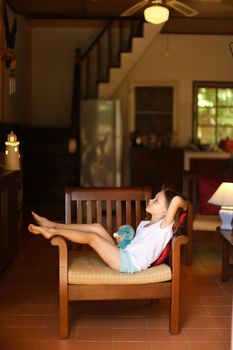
{"x":180,"y":223}
{"x":163,"y":256}
{"x":207,"y":186}
{"x":176,"y":228}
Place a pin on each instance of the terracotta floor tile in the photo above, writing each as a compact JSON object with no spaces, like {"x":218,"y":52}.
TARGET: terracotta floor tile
{"x":22,"y":334}
{"x":219,"y":310}
{"x":208,"y":346}
{"x":33,"y":309}
{"x":164,"y":335}
{"x":91,"y":322}
{"x":94,"y":334}
{"x":194,"y":311}
{"x":17,"y":345}
{"x":197,"y":322}
{"x":216,"y":301}
{"x":92,"y":346}
{"x":191,"y":300}
{"x":55,"y":345}
{"x":29,"y":312}
{"x":225,"y":334}
{"x":222,"y":321}
{"x":130,"y":335}
{"x":203,"y":335}
{"x":26,"y":321}
{"x":129,"y":322}
{"x":169,"y":346}
{"x":131,"y":346}
{"x":159,"y":322}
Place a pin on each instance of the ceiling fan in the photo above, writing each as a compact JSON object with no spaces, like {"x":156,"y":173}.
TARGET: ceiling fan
{"x":157,"y":11}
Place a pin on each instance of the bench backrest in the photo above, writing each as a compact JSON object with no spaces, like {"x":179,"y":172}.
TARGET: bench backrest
{"x":109,"y":206}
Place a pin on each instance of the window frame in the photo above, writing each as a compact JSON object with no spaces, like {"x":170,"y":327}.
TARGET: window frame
{"x":204,"y":84}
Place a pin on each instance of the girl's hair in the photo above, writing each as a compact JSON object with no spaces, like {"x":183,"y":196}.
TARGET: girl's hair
{"x":169,"y":193}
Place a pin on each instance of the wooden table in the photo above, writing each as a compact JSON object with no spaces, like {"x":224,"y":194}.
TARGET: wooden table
{"x":227,"y":239}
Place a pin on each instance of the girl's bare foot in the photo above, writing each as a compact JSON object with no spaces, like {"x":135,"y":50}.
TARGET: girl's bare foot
{"x":45,"y":231}
{"x":41,"y":221}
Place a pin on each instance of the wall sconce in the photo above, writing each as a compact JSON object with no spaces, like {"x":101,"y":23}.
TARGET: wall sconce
{"x":12,"y":155}
{"x":224,"y":198}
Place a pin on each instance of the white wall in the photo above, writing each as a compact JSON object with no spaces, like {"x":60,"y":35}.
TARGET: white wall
{"x":16,"y":106}
{"x":173,"y":59}
{"x":53,"y":53}
{"x":179,"y":60}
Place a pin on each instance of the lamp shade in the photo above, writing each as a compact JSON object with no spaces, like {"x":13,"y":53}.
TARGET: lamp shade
{"x":223,"y":195}
{"x":156,"y":14}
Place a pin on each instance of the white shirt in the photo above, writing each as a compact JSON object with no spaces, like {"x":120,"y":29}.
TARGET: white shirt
{"x":148,"y":243}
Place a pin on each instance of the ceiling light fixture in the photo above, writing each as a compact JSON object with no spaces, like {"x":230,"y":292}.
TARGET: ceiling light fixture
{"x":156,"y":14}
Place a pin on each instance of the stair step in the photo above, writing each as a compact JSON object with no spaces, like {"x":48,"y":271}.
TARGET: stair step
{"x":128,"y":60}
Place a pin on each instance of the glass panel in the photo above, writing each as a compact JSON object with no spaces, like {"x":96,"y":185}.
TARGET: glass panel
{"x":206,"y":97}
{"x":214,"y":112}
{"x":225,"y":116}
{"x":206,"y":135}
{"x":225,"y":97}
{"x":206,"y":116}
{"x":223,"y":133}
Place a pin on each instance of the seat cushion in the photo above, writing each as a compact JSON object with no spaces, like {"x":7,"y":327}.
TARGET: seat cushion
{"x":206,"y":222}
{"x":85,"y":267}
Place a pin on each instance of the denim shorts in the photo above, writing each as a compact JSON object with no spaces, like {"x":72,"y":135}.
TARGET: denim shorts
{"x":126,"y":263}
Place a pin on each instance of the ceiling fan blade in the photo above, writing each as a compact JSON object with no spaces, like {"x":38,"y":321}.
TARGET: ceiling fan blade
{"x":134,"y":8}
{"x":182,"y":8}
{"x":227,"y":2}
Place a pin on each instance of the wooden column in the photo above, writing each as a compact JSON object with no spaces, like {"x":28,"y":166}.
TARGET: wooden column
{"x":75,"y":121}
{"x":1,"y":63}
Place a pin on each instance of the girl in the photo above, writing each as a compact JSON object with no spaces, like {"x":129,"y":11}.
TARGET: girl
{"x":151,"y":235}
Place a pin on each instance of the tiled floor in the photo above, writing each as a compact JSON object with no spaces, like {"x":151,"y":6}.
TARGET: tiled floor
{"x":29,"y":312}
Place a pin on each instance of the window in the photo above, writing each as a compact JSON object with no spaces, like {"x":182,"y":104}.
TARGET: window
{"x":154,"y":112}
{"x":213,"y":111}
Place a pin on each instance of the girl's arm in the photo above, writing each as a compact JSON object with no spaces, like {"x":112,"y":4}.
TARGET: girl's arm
{"x":176,"y":203}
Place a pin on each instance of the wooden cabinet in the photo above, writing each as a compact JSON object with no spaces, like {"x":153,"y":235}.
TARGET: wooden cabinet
{"x":154,"y":111}
{"x":47,"y":170}
{"x":156,"y":167}
{"x":8,"y":216}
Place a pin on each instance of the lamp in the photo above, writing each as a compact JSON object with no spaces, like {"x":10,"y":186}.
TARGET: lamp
{"x":224,"y":197}
{"x":12,"y":155}
{"x":156,"y":14}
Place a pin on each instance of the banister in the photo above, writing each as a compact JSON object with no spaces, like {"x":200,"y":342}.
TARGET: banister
{"x":99,"y":35}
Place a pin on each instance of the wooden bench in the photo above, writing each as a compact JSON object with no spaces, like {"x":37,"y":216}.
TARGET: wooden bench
{"x":84,"y":276}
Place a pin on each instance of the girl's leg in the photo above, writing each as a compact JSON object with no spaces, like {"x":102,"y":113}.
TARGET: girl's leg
{"x":106,"y":250}
{"x":95,"y":228}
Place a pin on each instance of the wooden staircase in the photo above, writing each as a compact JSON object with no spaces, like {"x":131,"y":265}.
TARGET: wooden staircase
{"x":105,"y":52}
{"x":128,"y":60}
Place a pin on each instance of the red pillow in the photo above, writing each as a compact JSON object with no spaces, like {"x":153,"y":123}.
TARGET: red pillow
{"x":207,"y":186}
{"x":163,"y":256}
{"x":176,"y":228}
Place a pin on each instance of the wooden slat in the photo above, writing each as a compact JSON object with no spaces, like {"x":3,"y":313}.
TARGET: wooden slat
{"x":109,"y":216}
{"x":99,"y":212}
{"x":127,"y":291}
{"x":89,"y":212}
{"x":79,"y":212}
{"x":118,"y":214}
{"x":138,"y":212}
{"x":128,"y":212}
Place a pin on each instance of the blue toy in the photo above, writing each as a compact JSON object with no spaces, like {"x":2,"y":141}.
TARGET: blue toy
{"x":124,"y":235}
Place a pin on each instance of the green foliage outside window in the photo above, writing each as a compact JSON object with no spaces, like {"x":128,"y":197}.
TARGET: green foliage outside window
{"x":213,"y":112}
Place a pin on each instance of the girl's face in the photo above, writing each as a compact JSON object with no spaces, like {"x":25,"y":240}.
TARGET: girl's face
{"x":158,"y":205}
